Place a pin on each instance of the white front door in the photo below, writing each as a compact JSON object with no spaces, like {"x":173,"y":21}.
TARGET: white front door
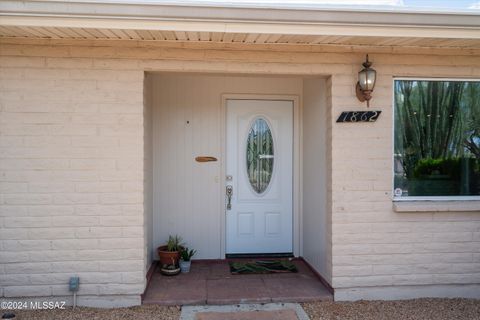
{"x":259,"y":171}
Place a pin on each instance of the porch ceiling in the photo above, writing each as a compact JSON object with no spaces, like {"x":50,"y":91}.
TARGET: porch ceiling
{"x":157,"y":21}
{"x":226,"y":37}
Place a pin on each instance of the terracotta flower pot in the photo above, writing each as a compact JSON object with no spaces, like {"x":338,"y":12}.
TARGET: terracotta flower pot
{"x":168,"y":257}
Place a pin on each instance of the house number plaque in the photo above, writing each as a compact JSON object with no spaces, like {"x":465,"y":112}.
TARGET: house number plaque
{"x":359,"y":116}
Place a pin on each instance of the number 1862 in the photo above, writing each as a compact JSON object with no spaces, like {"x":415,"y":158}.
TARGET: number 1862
{"x":359,"y":116}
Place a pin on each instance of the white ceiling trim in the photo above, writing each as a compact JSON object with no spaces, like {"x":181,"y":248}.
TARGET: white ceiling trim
{"x":160,"y":16}
{"x":244,"y":27}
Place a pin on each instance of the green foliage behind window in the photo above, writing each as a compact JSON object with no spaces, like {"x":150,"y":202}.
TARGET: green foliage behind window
{"x":437,"y":137}
{"x":437,"y":167}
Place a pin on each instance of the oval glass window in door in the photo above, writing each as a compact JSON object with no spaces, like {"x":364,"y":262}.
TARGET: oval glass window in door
{"x":259,"y":155}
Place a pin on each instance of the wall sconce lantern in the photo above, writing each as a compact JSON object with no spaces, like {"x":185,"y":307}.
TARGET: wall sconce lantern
{"x":366,"y":82}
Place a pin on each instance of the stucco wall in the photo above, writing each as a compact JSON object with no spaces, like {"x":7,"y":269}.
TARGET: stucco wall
{"x":71,"y":169}
{"x":317,"y":236}
{"x":148,"y":170}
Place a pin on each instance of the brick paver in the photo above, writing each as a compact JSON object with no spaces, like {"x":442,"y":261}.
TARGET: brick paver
{"x":212,"y":283}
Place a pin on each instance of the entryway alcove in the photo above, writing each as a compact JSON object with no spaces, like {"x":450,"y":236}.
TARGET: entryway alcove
{"x":187,"y":116}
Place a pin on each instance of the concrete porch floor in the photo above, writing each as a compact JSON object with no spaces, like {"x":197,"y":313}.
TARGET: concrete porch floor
{"x":210,"y":282}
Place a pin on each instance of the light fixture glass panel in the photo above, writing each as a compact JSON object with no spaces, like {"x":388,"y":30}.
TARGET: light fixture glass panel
{"x":370,"y":79}
{"x":362,"y":79}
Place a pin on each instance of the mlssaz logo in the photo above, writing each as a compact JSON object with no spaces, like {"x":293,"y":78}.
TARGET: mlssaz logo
{"x":49,"y":305}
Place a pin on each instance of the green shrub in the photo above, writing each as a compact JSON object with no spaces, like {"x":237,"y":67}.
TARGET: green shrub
{"x":175,"y":243}
{"x":445,"y":177}
{"x":438,"y":167}
{"x":187,"y":254}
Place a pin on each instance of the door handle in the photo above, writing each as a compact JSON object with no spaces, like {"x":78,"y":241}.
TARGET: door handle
{"x":229,"y":192}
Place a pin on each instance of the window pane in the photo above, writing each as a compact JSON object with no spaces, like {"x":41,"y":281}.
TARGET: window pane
{"x":437,"y":138}
{"x":259,"y":155}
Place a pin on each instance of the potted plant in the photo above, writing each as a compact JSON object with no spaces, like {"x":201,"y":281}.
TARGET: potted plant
{"x":170,"y":253}
{"x":186,"y":259}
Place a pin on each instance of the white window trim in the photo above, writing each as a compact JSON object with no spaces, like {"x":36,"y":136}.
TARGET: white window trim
{"x":437,"y":206}
{"x":424,"y":199}
{"x":437,"y":198}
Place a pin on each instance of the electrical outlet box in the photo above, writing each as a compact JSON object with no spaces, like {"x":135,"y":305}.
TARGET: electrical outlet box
{"x":74,"y":283}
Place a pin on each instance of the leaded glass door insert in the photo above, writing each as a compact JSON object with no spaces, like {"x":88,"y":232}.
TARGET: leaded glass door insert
{"x":260,"y":155}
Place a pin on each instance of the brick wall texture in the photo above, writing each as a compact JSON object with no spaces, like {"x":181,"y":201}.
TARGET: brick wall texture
{"x":72,"y":166}
{"x":71,"y":177}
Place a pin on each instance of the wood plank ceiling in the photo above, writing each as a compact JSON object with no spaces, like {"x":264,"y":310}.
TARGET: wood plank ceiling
{"x":155,"y":35}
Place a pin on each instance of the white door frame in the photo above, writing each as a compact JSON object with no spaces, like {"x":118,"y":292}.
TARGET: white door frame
{"x":297,"y":164}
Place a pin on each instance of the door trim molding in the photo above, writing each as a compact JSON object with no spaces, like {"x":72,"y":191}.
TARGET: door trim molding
{"x":297,"y":164}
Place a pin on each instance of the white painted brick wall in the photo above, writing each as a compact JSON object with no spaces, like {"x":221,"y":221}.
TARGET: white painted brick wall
{"x":71,"y":172}
{"x":69,"y":134}
{"x":374,"y":248}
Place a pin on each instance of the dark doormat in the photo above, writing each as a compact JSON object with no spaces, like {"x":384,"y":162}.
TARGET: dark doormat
{"x":262,"y":266}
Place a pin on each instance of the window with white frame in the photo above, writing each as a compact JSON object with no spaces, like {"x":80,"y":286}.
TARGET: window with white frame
{"x":436,"y":138}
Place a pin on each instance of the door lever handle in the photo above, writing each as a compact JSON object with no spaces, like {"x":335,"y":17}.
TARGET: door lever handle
{"x":229,"y":192}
